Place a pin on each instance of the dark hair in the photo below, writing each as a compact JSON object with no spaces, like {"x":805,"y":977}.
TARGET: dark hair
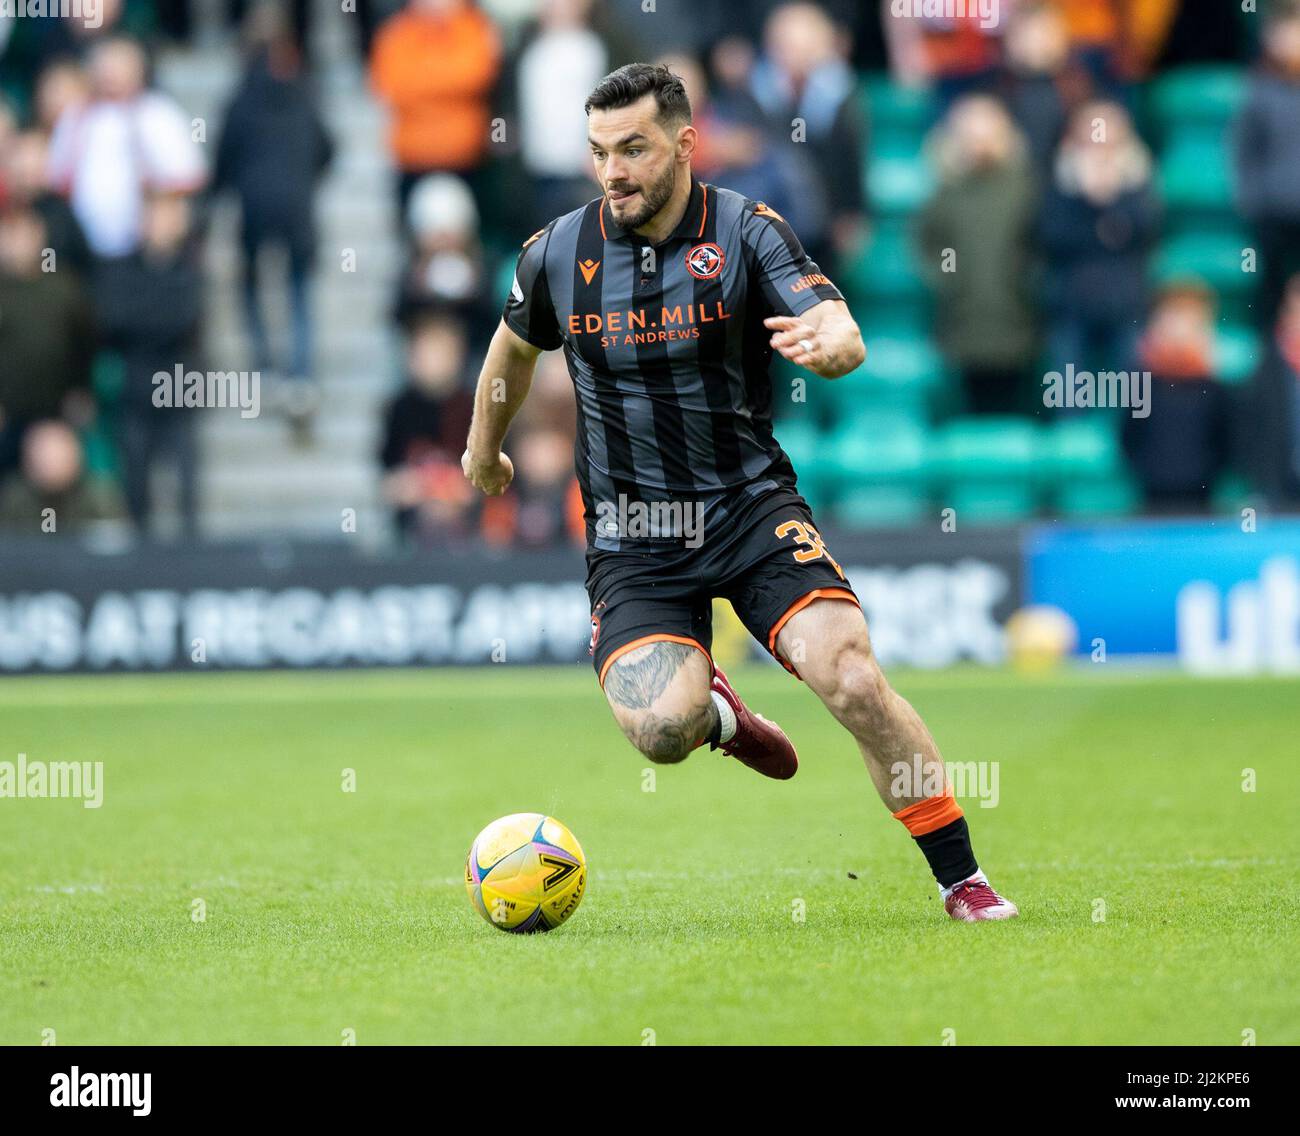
{"x":636,"y":80}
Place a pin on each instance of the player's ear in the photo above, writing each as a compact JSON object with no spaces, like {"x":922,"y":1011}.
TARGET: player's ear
{"x":687,"y":139}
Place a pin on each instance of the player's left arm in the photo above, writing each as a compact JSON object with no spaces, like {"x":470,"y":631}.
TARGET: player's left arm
{"x":825,"y":339}
{"x":810,"y":322}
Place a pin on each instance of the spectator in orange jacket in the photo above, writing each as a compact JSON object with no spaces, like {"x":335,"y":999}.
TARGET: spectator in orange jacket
{"x":434,"y":64}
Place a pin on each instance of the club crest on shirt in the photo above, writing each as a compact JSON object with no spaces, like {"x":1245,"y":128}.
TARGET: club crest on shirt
{"x":705,"y":261}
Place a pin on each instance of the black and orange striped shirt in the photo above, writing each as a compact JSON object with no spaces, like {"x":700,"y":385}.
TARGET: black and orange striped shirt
{"x":666,"y":345}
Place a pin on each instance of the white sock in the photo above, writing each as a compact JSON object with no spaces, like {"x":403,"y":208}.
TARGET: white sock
{"x":727,"y":716}
{"x":945,"y":892}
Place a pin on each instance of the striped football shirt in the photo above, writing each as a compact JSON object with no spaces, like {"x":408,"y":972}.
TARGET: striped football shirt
{"x":666,"y":346}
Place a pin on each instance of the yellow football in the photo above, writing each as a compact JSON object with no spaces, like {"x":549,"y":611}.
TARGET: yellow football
{"x":526,"y":872}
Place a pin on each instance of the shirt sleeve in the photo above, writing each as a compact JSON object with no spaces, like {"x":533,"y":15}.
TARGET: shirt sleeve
{"x":789,"y":277}
{"x":174,"y":161}
{"x":529,"y":312}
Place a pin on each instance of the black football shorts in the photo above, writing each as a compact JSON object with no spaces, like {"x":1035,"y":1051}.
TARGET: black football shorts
{"x":766,"y":558}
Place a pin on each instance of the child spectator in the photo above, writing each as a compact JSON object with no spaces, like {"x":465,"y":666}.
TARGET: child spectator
{"x":1179,"y":449}
{"x":445,"y":268}
{"x":539,"y":508}
{"x":424,"y":434}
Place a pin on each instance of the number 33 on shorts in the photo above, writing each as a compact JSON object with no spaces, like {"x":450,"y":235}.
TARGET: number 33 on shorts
{"x":811,"y":545}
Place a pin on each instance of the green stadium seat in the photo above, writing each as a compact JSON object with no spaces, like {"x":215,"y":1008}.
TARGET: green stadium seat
{"x":990,"y":503}
{"x":1214,"y":257}
{"x":875,"y":446}
{"x":810,"y":399}
{"x":900,"y":373}
{"x":904,"y":320}
{"x":899,"y":178}
{"x":1215,"y":136}
{"x":505,"y":277}
{"x":899,"y":109}
{"x":1237,"y":353}
{"x":985,"y":468}
{"x":986,"y":446}
{"x":107,"y":380}
{"x":887,"y":267}
{"x":1081,"y":449}
{"x":1231,"y":493}
{"x":1111,"y":497}
{"x":100,"y":450}
{"x":1196,"y":173}
{"x":1199,"y":94}
{"x":881,"y":506}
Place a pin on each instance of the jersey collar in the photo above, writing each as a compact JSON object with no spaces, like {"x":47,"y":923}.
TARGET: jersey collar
{"x":690,"y":227}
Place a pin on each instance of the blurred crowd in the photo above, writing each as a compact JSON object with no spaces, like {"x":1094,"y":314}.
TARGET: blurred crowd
{"x":1050,"y":192}
{"x":105,"y":186}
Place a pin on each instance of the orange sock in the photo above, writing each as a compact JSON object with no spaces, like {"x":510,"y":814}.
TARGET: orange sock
{"x":930,"y":814}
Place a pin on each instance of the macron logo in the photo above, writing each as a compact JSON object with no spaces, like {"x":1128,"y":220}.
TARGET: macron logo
{"x":101,"y":1090}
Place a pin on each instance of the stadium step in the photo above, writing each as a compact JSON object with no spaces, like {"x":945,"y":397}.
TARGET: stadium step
{"x":254,"y":480}
{"x":243,"y":438}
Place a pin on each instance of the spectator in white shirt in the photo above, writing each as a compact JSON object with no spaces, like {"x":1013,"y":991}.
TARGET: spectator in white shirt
{"x":125,"y":141}
{"x":562,"y":60}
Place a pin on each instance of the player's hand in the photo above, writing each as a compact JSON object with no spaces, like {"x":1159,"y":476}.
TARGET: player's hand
{"x":796,"y":340}
{"x":490,"y":474}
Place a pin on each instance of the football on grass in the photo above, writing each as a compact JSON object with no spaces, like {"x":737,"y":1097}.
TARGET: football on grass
{"x":526,"y":872}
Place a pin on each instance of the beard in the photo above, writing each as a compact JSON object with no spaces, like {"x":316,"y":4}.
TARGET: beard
{"x":653,"y":198}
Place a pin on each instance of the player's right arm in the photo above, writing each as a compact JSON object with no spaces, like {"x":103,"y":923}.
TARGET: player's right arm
{"x":528,"y":327}
{"x":502,"y":387}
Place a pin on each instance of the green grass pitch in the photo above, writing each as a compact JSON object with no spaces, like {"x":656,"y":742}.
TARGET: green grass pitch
{"x":329,"y":911}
